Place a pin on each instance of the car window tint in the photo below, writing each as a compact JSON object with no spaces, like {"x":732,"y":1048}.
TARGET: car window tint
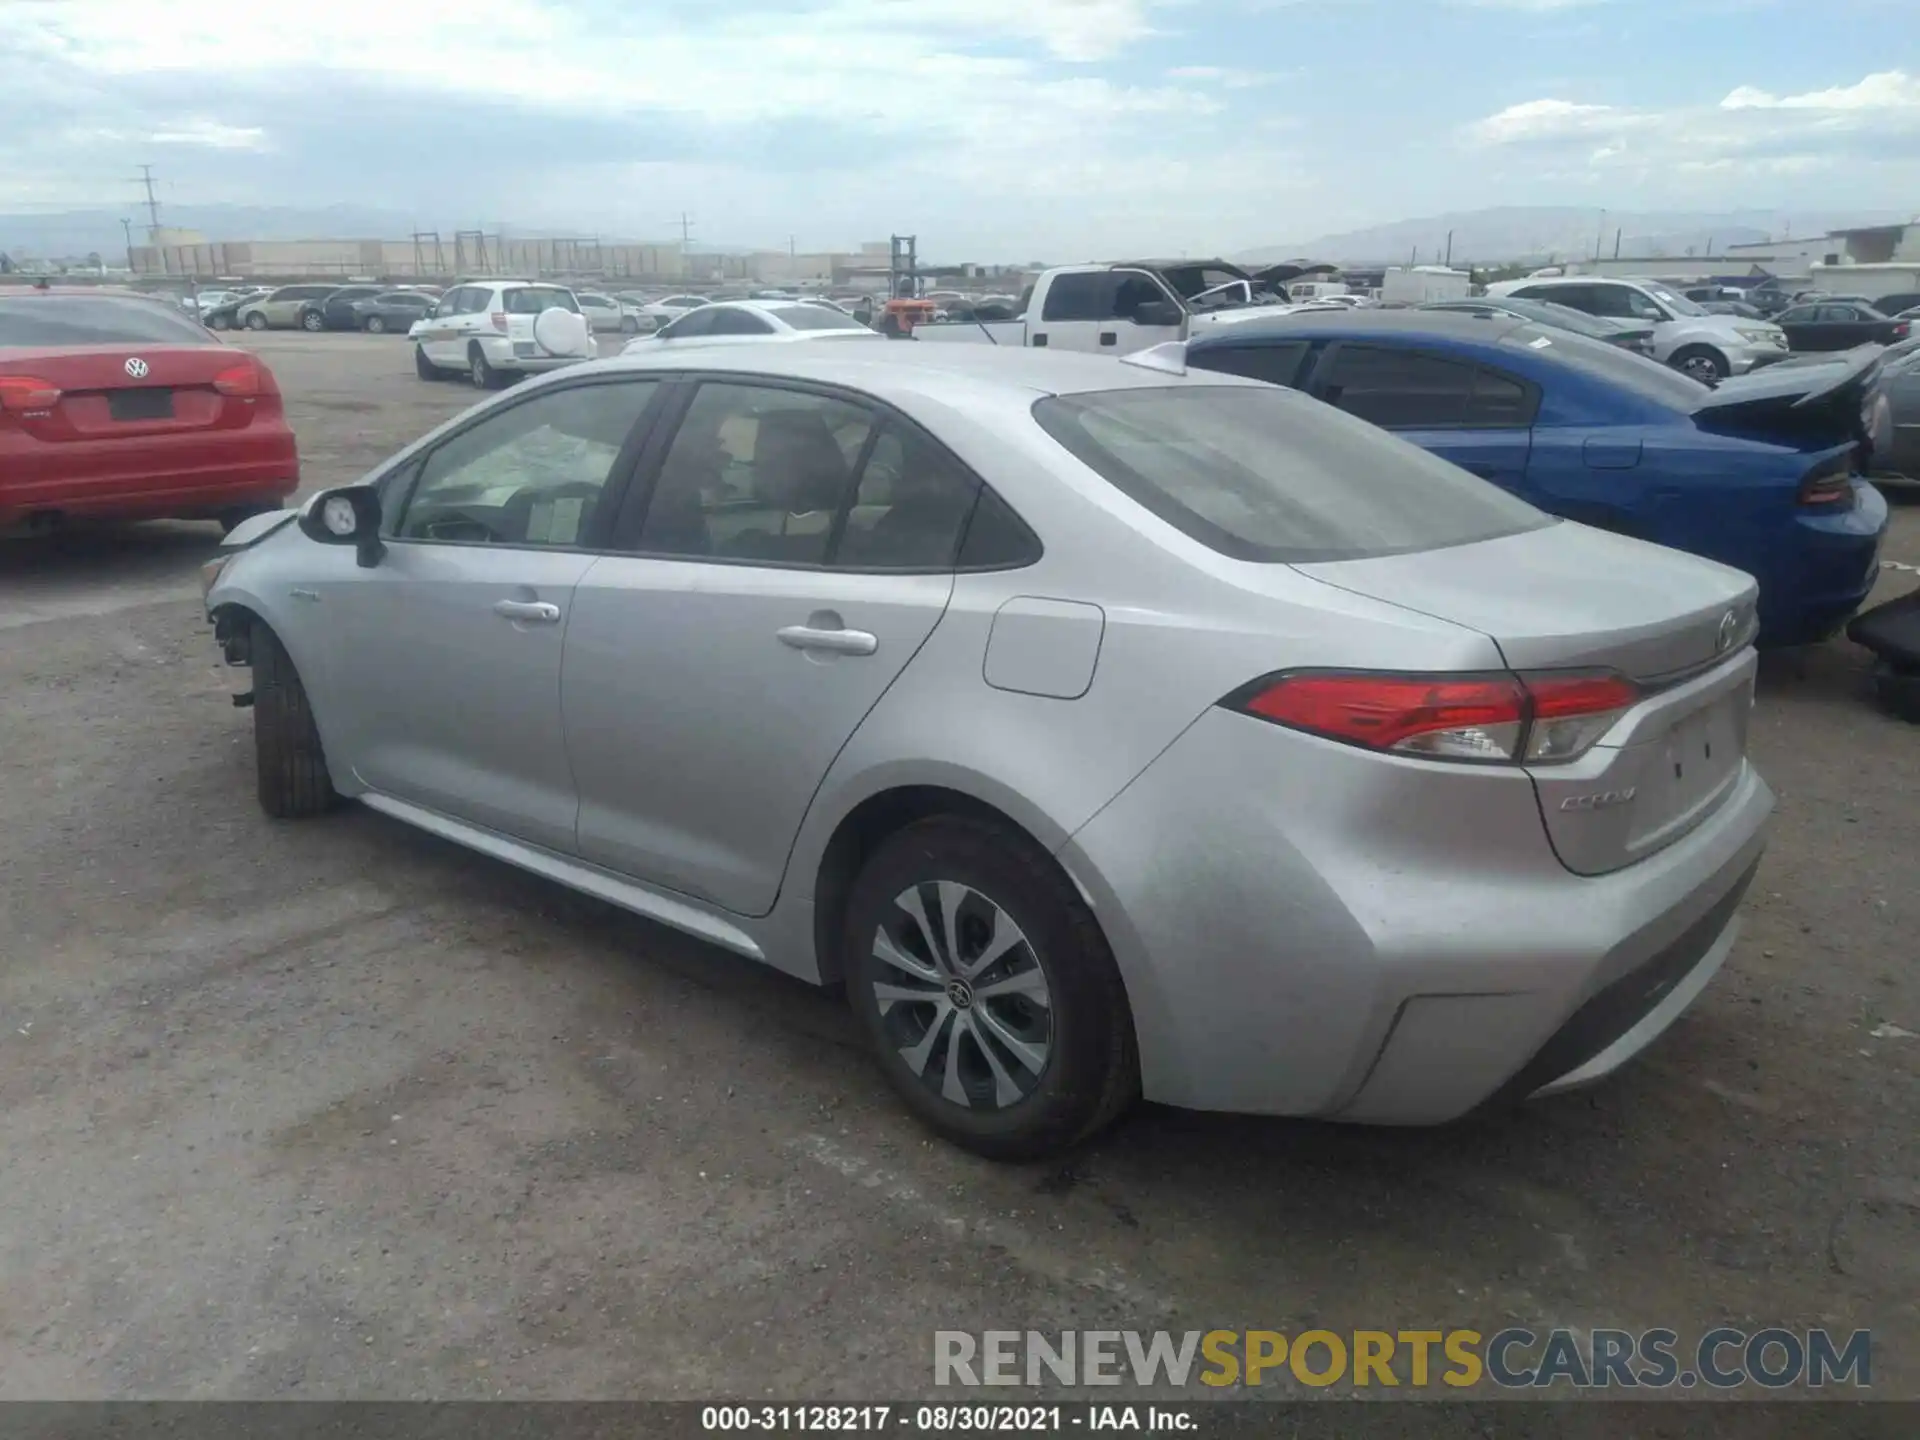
{"x":1131,"y":289}
{"x":909,"y":508}
{"x":529,"y":474}
{"x":1798,"y":315}
{"x":755,"y":473}
{"x":532,"y":299}
{"x":817,"y":317}
{"x":1261,"y":473}
{"x":738,"y":322}
{"x":94,"y":320}
{"x":996,"y":538}
{"x":1078,"y":296}
{"x":692,"y":325}
{"x":1397,"y":388}
{"x":1275,"y":364}
{"x":1499,"y":400}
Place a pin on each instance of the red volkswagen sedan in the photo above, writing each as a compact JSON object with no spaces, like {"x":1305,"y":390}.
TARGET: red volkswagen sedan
{"x":116,"y":406}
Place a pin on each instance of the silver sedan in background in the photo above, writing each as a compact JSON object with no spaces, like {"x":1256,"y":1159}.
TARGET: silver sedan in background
{"x":1107,"y":730}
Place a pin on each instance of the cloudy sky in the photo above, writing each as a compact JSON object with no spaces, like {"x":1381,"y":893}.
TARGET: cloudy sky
{"x":1002,"y":128}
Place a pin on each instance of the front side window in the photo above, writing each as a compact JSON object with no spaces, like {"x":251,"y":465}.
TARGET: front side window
{"x":1264,"y":474}
{"x":529,"y":475}
{"x":755,"y":474}
{"x":1131,"y":290}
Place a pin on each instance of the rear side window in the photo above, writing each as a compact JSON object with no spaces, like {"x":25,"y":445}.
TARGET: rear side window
{"x":817,"y":317}
{"x":1082,"y":296}
{"x":1410,"y":389}
{"x":1275,"y":364}
{"x":532,"y":299}
{"x":738,"y":322}
{"x":94,"y":320}
{"x":692,"y":325}
{"x":1264,"y":474}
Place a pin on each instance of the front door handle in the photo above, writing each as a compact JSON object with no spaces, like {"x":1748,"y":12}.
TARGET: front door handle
{"x":835,"y":642}
{"x":1109,"y":337}
{"x":532,"y":612}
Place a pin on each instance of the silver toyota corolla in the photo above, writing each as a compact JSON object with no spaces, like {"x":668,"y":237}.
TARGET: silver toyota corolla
{"x":1108,"y":730}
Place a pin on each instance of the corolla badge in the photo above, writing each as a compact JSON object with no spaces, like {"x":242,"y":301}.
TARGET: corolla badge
{"x":1604,"y":800}
{"x":1729,"y":627}
{"x":137,"y":368}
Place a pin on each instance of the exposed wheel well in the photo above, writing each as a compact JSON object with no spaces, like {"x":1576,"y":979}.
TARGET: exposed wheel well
{"x":232,"y":627}
{"x":859,"y":834}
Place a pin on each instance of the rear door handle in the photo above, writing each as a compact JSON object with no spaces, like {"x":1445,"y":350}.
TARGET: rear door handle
{"x":836,"y":642}
{"x":532,"y":612}
{"x":1109,"y":337}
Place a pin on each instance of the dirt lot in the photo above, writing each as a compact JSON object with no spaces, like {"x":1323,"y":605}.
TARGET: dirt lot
{"x":337,"y":1109}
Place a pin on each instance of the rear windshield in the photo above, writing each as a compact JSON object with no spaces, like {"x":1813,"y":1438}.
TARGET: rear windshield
{"x":532,"y":299}
{"x":95,"y":320}
{"x":1645,"y":377}
{"x":816,"y":317}
{"x":1261,"y":473}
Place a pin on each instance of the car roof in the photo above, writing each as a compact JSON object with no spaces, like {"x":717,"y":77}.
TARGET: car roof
{"x":904,"y":371}
{"x":1346,"y":322}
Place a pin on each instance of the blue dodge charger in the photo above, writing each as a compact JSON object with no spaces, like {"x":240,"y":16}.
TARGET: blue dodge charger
{"x":1762,"y":472}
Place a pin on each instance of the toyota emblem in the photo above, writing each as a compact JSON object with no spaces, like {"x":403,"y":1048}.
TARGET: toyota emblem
{"x":1729,"y":625}
{"x":137,"y":368}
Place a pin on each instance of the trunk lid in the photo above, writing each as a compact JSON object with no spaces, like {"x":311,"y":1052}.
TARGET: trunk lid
{"x":1828,"y":397}
{"x":1567,"y":597}
{"x":122,"y":391}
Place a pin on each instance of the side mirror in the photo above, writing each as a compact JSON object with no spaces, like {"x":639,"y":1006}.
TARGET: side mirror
{"x":1157,"y":312}
{"x":348,"y":516}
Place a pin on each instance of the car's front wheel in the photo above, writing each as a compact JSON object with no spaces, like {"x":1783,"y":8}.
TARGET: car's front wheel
{"x":256,"y":321}
{"x":1703,"y":363}
{"x":313,"y":322}
{"x":987,"y":989}
{"x":292,"y":770}
{"x":376,"y":326}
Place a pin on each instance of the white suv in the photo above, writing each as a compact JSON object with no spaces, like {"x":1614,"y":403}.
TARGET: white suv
{"x":491,"y":329}
{"x":1706,"y":346}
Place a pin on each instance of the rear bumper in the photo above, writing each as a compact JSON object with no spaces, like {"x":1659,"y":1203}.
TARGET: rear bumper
{"x":505,"y":354}
{"x":158,"y":478}
{"x":1332,"y":943}
{"x":1833,"y":566}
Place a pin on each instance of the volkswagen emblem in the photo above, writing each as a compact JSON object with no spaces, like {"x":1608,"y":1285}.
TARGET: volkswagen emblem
{"x":1729,"y":627}
{"x":137,"y":368}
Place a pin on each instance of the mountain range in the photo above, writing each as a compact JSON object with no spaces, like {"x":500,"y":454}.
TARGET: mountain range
{"x":1545,"y":233}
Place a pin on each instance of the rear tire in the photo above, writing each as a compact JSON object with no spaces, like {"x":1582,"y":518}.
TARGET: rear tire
{"x":479,"y":371}
{"x":256,"y":321}
{"x":293,"y":779}
{"x":376,"y":326}
{"x":1703,"y":363}
{"x":424,"y":367}
{"x":216,"y":322}
{"x":313,"y":322}
{"x":1062,"y":1063}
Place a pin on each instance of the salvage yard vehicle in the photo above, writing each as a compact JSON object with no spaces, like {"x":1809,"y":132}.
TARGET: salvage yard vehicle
{"x":282,"y":309}
{"x":116,"y":406}
{"x":1707,"y":347}
{"x":335,"y":310}
{"x":394,"y":310}
{"x":1760,"y":473}
{"x":732,"y":322}
{"x":492,"y":330}
{"x":1118,"y":309}
{"x":1107,"y":731}
{"x":605,"y":312}
{"x":1839,"y":325}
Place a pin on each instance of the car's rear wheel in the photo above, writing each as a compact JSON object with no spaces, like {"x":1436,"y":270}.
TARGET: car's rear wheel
{"x":256,"y":321}
{"x":292,"y":770}
{"x":479,"y":371}
{"x":215,"y":322}
{"x":424,"y":367}
{"x":1703,"y":363}
{"x":987,"y":989}
{"x":375,"y":325}
{"x":313,"y":321}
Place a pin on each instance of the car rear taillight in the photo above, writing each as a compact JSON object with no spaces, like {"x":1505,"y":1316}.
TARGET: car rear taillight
{"x":500,"y":321}
{"x":1533,"y":719}
{"x":242,"y":380}
{"x":1901,"y":330}
{"x":25,"y":392}
{"x":1828,"y":483}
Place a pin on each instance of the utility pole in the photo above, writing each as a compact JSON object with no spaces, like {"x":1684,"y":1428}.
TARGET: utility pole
{"x":153,"y":205}
{"x":1600,"y":236}
{"x":1449,"y":249}
{"x":686,"y":231}
{"x":127,"y":225}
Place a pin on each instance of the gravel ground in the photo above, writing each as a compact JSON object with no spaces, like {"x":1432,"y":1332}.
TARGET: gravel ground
{"x":336,"y":1109}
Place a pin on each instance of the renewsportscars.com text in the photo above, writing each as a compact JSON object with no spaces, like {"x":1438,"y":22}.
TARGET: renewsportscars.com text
{"x":1513,"y":1358}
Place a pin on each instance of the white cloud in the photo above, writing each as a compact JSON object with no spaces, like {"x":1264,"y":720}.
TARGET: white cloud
{"x":1888,"y":90}
{"x":1541,"y":119}
{"x":211,"y":135}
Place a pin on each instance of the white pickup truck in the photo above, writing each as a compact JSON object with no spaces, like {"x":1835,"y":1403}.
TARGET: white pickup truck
{"x":1123,"y":307}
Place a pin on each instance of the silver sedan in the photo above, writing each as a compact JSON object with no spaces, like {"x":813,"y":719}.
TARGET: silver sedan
{"x":1108,"y":730}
